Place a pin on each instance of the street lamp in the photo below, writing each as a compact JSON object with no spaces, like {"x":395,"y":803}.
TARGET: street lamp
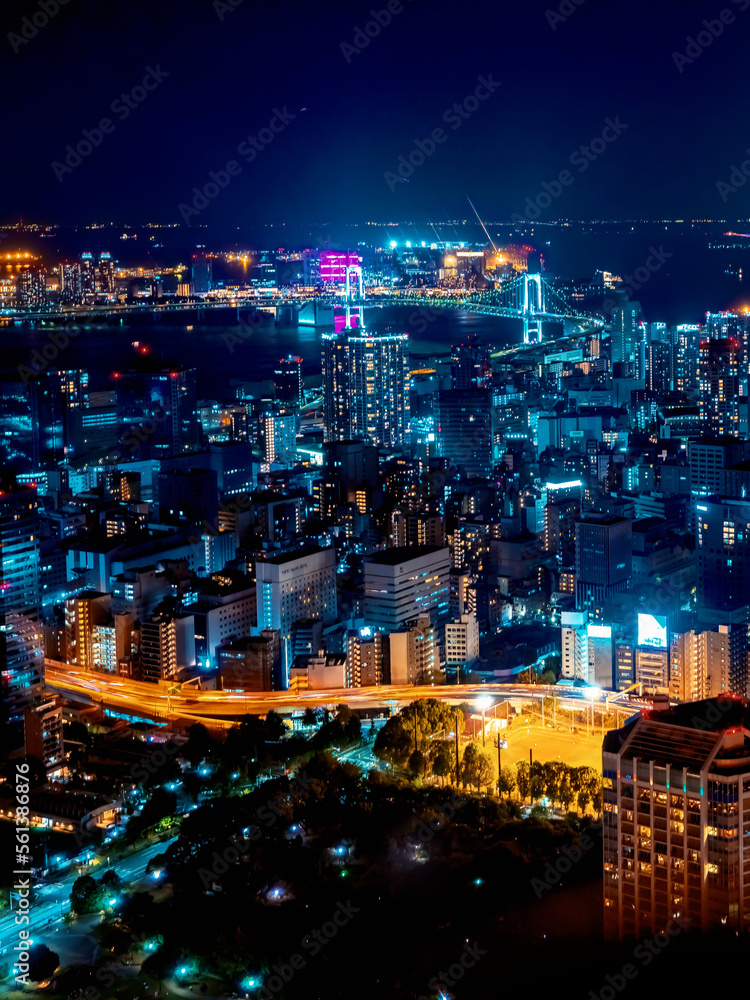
{"x":484,"y":703}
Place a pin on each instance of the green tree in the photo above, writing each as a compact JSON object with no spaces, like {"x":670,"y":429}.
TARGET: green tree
{"x":42,"y":962}
{"x":523,"y":779}
{"x":85,"y":895}
{"x":507,"y":783}
{"x":417,"y":762}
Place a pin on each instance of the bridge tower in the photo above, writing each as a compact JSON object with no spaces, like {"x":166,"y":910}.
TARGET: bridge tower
{"x":533,"y":308}
{"x":352,"y":318}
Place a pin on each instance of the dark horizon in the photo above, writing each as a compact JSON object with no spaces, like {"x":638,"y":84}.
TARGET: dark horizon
{"x":346,"y":101}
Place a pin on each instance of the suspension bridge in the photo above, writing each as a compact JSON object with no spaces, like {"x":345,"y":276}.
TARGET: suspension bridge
{"x":529,"y":298}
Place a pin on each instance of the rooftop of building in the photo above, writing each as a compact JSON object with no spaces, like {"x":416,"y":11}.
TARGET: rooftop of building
{"x":403,"y":553}
{"x":689,"y":735}
{"x":286,"y":557}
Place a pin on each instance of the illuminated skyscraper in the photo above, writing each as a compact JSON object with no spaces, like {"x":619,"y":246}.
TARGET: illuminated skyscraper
{"x":604,"y":560}
{"x":287,"y":380}
{"x":464,"y":428}
{"x":719,"y":374}
{"x":159,"y":409}
{"x":21,"y":644}
{"x":366,"y":387}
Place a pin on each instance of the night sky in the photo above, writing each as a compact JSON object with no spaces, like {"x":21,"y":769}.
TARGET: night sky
{"x":232,"y":66}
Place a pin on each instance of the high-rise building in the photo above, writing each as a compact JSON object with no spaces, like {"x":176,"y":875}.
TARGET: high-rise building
{"x":202,"y":272}
{"x":723,"y":554}
{"x":464,"y":429}
{"x":158,"y":649}
{"x":604,"y":560}
{"x":720,"y":371}
{"x":251,"y":663}
{"x":279,"y":436}
{"x":21,"y":641}
{"x":83,"y":614}
{"x":287,"y":380}
{"x":31,"y":287}
{"x":699,"y":664}
{"x":158,"y":410}
{"x":413,"y":654}
{"x":709,"y":457}
{"x":293,"y":586}
{"x":402,"y":583}
{"x":626,"y":333}
{"x":471,"y":366}
{"x":364,"y":658}
{"x":366,"y":387}
{"x":462,"y":642}
{"x":688,"y":338}
{"x":56,"y":398}
{"x":676,"y":844}
{"x":43,"y":733}
{"x":658,"y":367}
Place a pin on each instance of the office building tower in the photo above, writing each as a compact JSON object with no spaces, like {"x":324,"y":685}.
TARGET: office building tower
{"x":157,"y":410}
{"x":190,"y":496}
{"x":56,"y":399}
{"x":104,"y":278}
{"x":293,"y":586}
{"x":366,"y":387}
{"x":402,"y":583}
{"x":471,"y":366}
{"x":729,"y":326}
{"x":21,"y":642}
{"x":364,"y":658}
{"x":626,"y":330}
{"x":709,"y":457}
{"x":723,"y":555}
{"x":202,"y":274}
{"x":279,"y":436}
{"x":462,"y":643}
{"x":604,"y":560}
{"x":333,"y":266}
{"x":719,"y":376}
{"x":287,"y":381}
{"x":71,"y":283}
{"x":688,"y":337}
{"x":31,"y":287}
{"x":464,"y":430}
{"x":88,"y":274}
{"x":251,"y":663}
{"x":659,"y":367}
{"x":676,"y":844}
{"x":350,"y":475}
{"x":43,"y":734}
